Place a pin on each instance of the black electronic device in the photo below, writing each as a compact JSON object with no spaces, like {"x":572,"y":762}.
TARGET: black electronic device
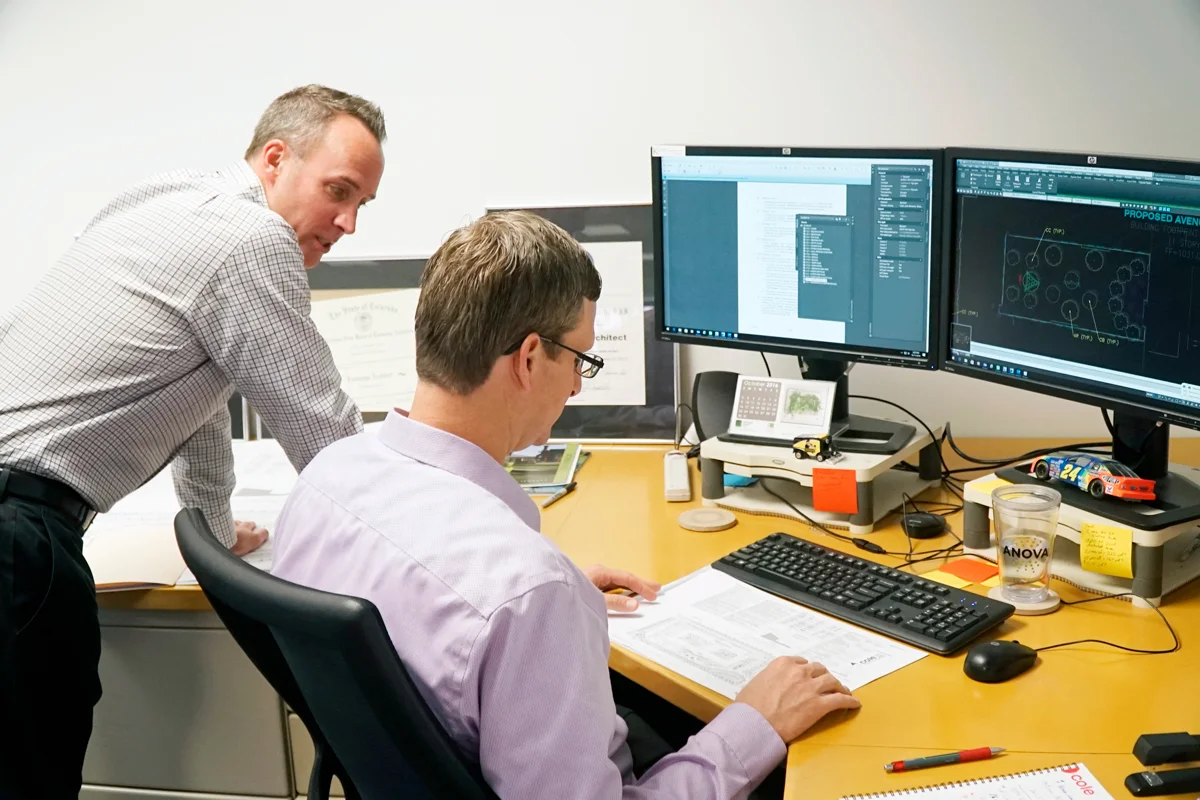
{"x":996,"y":662}
{"x":713,"y":393}
{"x":1153,"y":749}
{"x":922,"y":525}
{"x":1072,"y":275}
{"x":1171,"y":781}
{"x":922,"y":613}
{"x":831,"y":255}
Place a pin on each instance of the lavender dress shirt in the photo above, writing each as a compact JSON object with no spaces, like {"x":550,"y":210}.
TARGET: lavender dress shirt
{"x":505,"y":637}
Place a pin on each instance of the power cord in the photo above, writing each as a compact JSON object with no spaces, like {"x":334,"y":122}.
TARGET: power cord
{"x":860,"y":543}
{"x":765,"y":364}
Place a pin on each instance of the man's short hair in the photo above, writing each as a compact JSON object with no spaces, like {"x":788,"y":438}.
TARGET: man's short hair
{"x":492,"y":283}
{"x":299,"y":117}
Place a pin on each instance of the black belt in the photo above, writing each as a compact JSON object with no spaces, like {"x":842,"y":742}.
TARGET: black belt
{"x":47,"y":492}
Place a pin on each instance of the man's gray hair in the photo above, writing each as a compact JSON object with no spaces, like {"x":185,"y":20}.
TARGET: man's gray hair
{"x":299,"y":117}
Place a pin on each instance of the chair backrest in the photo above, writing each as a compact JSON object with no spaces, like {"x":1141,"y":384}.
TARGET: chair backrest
{"x":345,"y":671}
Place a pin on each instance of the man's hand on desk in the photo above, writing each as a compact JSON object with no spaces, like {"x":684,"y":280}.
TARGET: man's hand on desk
{"x":606,"y":579}
{"x":792,"y":694}
{"x":250,"y":537}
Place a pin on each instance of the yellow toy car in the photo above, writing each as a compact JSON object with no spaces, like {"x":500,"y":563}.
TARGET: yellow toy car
{"x":819,"y":447}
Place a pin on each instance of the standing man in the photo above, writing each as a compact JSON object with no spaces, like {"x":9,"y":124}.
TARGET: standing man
{"x":123,"y":358}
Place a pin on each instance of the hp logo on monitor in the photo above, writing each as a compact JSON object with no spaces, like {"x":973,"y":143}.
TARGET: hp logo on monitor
{"x":1091,"y":159}
{"x":787,"y":151}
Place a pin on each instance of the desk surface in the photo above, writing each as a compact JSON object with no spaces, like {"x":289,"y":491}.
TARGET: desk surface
{"x":1086,"y":703}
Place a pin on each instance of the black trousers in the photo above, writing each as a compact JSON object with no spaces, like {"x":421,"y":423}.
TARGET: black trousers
{"x":49,"y":652}
{"x":657,"y":728}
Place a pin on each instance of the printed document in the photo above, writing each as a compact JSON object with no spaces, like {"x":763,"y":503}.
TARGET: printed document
{"x":720,"y":632}
{"x":371,"y":337}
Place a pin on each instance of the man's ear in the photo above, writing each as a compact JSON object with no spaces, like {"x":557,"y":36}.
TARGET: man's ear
{"x":525,"y":360}
{"x":273,"y":155}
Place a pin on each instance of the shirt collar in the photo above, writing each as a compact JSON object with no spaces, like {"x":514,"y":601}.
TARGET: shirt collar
{"x":455,"y":455}
{"x":243,"y":176}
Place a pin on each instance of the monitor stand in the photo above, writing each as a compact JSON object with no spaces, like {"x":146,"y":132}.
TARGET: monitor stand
{"x":853,"y":433}
{"x":1140,"y":443}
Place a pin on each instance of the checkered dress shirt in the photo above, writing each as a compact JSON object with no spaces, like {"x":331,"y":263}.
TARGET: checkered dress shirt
{"x":125,"y":354}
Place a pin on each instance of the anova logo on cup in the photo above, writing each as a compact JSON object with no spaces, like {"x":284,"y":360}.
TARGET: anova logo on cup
{"x":1016,"y":551}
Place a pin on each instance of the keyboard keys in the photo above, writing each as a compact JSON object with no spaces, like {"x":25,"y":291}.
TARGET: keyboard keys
{"x":878,"y":597}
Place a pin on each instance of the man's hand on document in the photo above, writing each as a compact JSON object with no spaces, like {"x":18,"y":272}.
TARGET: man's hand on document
{"x":792,"y":694}
{"x":606,"y":580}
{"x":250,"y":537}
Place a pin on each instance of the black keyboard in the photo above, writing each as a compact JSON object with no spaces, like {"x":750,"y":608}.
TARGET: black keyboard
{"x":922,"y":613}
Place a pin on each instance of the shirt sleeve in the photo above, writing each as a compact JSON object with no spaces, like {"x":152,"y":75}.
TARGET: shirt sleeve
{"x":203,"y":474}
{"x":548,"y":727}
{"x":253,"y":320}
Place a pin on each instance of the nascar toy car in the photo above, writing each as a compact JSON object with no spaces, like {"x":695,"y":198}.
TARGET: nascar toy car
{"x":1096,"y":476}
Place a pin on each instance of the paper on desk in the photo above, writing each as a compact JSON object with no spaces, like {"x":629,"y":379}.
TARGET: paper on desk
{"x":720,"y":632}
{"x":371,"y":338}
{"x":133,"y":546}
{"x":262,"y":558}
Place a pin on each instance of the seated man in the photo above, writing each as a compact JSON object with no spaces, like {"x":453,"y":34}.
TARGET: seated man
{"x":506,"y":638}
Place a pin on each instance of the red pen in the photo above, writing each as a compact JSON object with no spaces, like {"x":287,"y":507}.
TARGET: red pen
{"x":962,"y":756}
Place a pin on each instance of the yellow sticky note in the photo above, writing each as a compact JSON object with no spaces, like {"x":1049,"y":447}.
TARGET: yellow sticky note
{"x":1106,"y":549}
{"x":945,"y":577}
{"x":991,"y":582}
{"x":987,"y":486}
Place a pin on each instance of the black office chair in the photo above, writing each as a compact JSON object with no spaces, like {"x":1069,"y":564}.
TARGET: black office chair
{"x":254,"y":637}
{"x":343,"y":670}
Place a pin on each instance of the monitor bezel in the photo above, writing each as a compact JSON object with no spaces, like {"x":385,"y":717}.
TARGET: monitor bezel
{"x":1148,"y":408}
{"x":811,"y":348}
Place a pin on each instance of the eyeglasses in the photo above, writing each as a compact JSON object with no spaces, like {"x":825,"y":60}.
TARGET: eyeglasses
{"x":586,"y":364}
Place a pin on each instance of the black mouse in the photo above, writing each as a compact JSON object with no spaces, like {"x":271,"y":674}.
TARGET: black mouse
{"x":922,"y":525}
{"x":995,"y":662}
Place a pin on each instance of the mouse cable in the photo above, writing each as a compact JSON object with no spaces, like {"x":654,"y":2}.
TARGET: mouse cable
{"x":1174,"y":637}
{"x":859,"y":542}
{"x":765,"y":364}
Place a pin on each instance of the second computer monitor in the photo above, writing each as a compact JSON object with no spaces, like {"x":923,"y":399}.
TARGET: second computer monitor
{"x":824,"y":253}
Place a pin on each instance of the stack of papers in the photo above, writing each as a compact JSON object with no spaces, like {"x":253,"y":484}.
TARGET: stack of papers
{"x":133,"y":545}
{"x":720,"y":633}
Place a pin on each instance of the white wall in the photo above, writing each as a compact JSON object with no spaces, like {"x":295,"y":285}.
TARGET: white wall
{"x":551,"y":102}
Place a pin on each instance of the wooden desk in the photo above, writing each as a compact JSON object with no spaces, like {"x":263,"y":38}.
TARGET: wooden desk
{"x":1086,"y":703}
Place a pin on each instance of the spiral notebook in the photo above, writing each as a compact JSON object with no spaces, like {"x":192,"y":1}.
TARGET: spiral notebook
{"x":1053,"y":783}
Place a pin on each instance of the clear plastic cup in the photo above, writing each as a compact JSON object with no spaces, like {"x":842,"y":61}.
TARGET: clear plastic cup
{"x":1026,"y":518}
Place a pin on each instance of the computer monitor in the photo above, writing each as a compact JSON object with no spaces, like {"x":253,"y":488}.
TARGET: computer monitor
{"x":1076,"y":275}
{"x":830,"y":255}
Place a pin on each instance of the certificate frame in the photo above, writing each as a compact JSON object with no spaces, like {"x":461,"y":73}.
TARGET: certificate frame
{"x":656,"y":421}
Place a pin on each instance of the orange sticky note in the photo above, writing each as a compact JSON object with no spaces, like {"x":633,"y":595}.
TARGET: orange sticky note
{"x":971,"y":570}
{"x":834,"y":490}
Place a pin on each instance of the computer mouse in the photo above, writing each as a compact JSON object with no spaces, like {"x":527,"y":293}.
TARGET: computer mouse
{"x":922,"y":525}
{"x":996,"y":662}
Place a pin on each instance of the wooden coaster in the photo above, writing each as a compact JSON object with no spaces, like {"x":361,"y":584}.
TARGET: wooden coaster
{"x":707,"y":519}
{"x":1051,"y":603}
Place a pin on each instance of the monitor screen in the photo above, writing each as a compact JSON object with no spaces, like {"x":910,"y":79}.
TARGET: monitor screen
{"x":807,"y":251}
{"x":1077,"y":275}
